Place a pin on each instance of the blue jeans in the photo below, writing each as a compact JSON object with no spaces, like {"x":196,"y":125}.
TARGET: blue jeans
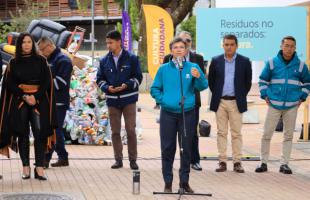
{"x":59,"y":147}
{"x":171,"y":126}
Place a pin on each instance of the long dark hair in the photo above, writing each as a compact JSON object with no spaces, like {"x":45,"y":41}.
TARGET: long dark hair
{"x":19,"y":43}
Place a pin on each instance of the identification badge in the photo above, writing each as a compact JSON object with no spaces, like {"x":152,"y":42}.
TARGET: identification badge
{"x":124,"y":67}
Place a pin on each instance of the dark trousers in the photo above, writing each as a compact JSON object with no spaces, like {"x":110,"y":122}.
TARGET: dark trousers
{"x":29,"y":114}
{"x":59,"y":147}
{"x":171,"y":126}
{"x":195,"y":145}
{"x":129,"y":112}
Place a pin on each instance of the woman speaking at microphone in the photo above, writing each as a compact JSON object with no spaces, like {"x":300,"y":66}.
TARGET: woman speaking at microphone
{"x":27,"y":98}
{"x":166,"y":90}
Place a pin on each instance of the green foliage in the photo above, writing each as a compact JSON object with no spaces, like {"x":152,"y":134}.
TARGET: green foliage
{"x":143,"y":62}
{"x":105,"y":4}
{"x":22,"y":19}
{"x":134,"y":20}
{"x":190,"y":26}
{"x":4,"y":30}
{"x":121,"y":2}
{"x":119,"y":27}
{"x":85,"y":4}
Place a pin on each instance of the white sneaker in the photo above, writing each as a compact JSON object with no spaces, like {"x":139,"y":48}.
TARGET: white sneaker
{"x":197,"y":167}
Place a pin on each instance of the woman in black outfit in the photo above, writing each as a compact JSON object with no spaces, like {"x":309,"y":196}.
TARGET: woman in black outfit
{"x":27,"y":97}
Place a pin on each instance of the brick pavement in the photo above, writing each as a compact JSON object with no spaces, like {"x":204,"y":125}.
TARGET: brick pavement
{"x":90,"y":177}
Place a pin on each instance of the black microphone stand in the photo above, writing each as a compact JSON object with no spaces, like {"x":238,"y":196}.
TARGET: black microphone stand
{"x":181,"y":190}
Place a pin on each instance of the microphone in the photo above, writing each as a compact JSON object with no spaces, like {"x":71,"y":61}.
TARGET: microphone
{"x":180,"y":61}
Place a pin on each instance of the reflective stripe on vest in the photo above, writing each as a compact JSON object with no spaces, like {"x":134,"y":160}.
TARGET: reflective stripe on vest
{"x":277,"y":81}
{"x":301,"y":66}
{"x":271,"y":64}
{"x":121,"y":96}
{"x":291,"y":103}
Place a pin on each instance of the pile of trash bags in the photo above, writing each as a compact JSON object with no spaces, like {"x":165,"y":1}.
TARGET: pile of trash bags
{"x":87,"y":119}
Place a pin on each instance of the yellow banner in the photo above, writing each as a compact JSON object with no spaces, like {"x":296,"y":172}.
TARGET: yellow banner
{"x":159,"y":30}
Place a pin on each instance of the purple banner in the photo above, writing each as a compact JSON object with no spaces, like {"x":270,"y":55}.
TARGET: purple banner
{"x":126,"y":32}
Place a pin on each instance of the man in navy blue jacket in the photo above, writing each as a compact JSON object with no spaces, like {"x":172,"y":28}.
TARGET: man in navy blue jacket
{"x":119,"y":77}
{"x":61,"y":67}
{"x":230,"y":80}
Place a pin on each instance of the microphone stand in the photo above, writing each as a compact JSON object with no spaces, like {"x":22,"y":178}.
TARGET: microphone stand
{"x":181,"y":190}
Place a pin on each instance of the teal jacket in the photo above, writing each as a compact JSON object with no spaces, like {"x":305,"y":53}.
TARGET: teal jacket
{"x":284,"y":84}
{"x":166,"y":88}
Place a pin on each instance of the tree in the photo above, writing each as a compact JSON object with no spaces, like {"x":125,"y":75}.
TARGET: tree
{"x":30,"y":11}
{"x":178,"y":9}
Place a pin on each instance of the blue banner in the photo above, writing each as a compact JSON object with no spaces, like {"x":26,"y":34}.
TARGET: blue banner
{"x":259,"y":30}
{"x":126,"y":32}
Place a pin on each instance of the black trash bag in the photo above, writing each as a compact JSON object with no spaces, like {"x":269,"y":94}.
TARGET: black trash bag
{"x":204,"y":128}
{"x":301,"y":137}
{"x":279,"y":127}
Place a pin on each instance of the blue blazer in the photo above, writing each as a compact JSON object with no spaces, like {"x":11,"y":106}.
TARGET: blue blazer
{"x":242,"y":81}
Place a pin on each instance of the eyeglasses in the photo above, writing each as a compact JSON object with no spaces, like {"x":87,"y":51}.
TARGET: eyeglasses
{"x":188,"y":40}
{"x":42,"y":49}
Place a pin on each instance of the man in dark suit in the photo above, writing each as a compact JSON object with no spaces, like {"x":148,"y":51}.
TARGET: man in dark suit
{"x":198,"y":59}
{"x":230,"y":79}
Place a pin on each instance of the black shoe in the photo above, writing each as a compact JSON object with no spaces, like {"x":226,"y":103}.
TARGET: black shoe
{"x":168,"y":187}
{"x":133,"y":165}
{"x":36,"y":175}
{"x":186,"y":187}
{"x":117,"y":164}
{"x":60,"y":163}
{"x":196,"y":166}
{"x":26,"y":176}
{"x":261,"y":168}
{"x":285,"y":169}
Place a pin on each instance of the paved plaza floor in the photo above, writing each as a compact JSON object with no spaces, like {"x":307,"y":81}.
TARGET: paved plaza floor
{"x":89,"y":175}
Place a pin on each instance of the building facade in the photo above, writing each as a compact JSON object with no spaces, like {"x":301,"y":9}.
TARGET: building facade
{"x":67,"y":13}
